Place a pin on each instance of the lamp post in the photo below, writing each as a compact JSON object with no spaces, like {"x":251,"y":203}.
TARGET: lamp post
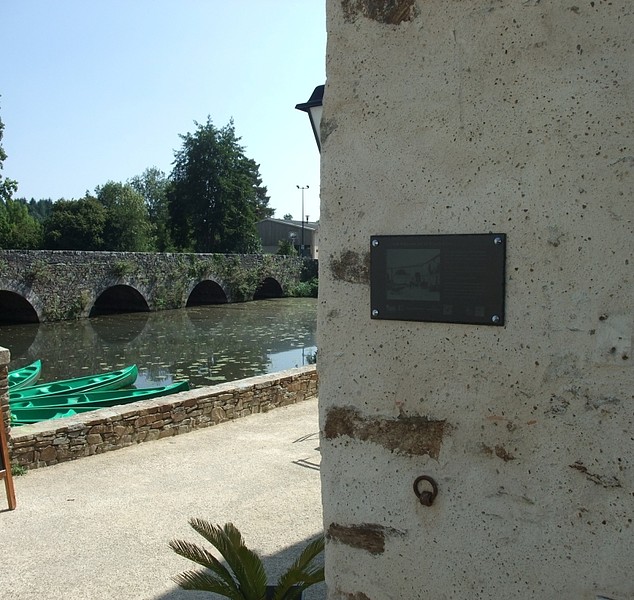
{"x":314,"y":108}
{"x":302,"y":187}
{"x":292,"y":236}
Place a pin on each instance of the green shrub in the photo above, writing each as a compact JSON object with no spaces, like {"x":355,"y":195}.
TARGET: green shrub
{"x":38,"y":272}
{"x":17,"y":470}
{"x":286,"y":248}
{"x":306,"y":289}
{"x":123,"y":267}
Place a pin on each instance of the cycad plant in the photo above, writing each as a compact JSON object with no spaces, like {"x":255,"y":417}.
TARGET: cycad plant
{"x":243,"y":577}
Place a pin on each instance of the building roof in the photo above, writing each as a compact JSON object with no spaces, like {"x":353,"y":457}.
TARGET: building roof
{"x":314,"y":225}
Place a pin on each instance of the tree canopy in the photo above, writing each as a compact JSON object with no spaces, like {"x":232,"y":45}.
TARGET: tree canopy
{"x":18,"y":229}
{"x":7,"y":186}
{"x":286,"y":248}
{"x":75,"y":225}
{"x":128,"y":227}
{"x":211,"y":202}
{"x":216,"y":194}
{"x":39,"y":209}
{"x":152,"y":184}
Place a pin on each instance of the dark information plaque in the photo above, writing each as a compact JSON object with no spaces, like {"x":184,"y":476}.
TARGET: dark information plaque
{"x":442,"y":278}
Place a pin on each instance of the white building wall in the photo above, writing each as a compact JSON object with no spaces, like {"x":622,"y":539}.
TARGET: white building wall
{"x":512,"y":116}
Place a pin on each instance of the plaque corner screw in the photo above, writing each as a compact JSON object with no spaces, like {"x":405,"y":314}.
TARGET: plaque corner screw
{"x":497,"y":240}
{"x":495,"y":318}
{"x":375,"y":243}
{"x":375,"y":312}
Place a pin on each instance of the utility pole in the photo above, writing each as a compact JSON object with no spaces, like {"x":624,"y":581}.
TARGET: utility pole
{"x":304,"y":187}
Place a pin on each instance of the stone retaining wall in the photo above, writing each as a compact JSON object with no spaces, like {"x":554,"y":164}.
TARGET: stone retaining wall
{"x":106,"y":429}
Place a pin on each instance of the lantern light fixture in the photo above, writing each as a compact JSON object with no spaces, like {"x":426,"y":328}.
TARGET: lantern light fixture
{"x":314,"y":108}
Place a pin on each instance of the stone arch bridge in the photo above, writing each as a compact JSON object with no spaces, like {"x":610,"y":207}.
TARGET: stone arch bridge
{"x":39,"y":286}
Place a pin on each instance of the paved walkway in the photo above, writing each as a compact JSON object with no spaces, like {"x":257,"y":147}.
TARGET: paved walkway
{"x":98,"y":528}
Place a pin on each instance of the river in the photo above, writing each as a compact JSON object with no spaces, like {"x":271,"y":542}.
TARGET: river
{"x":204,"y":344}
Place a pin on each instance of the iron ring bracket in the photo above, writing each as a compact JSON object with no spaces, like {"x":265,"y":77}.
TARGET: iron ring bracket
{"x":426,"y":497}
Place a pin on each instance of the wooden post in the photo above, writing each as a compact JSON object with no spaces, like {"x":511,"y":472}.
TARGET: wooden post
{"x":5,"y":468}
{"x":5,"y":463}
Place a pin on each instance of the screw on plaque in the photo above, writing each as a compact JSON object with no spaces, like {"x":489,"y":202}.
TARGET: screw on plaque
{"x":426,"y":497}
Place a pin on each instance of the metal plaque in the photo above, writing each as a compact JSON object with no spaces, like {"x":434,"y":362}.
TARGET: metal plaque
{"x":440,"y":278}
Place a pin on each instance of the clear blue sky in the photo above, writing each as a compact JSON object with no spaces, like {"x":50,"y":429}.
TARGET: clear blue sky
{"x":99,"y":90}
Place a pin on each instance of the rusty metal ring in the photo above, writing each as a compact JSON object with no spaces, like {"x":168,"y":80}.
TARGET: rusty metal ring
{"x":426,"y":497}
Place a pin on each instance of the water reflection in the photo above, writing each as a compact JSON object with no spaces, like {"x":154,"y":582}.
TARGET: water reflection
{"x":205,"y":344}
{"x":126,"y":328}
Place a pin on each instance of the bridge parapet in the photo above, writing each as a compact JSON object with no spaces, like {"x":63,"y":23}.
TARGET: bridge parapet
{"x":47,"y":285}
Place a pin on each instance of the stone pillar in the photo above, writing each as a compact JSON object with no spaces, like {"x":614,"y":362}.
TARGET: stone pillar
{"x":506,"y":116}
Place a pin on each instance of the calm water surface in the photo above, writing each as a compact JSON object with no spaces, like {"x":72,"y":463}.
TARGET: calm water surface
{"x":205,"y":344}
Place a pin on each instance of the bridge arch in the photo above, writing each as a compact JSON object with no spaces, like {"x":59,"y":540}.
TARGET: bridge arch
{"x":119,"y":299}
{"x":67,"y":284}
{"x":207,"y":291}
{"x":16,"y":309}
{"x":268,"y":288}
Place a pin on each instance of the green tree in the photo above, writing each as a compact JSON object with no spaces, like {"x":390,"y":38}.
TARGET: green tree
{"x":40,"y":209}
{"x":262,"y":208}
{"x":286,"y":248}
{"x":288,"y":217}
{"x":127,"y":225}
{"x":152,"y":184}
{"x":18,"y":229}
{"x":75,"y":225}
{"x":216,"y":196}
{"x":7,"y":186}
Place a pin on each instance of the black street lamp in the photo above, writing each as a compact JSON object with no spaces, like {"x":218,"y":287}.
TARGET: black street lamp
{"x":314,"y":108}
{"x":304,"y":187}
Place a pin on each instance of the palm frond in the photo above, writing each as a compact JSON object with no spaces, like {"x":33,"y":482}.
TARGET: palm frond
{"x":293,"y":583}
{"x":246,"y":566}
{"x":206,"y":582}
{"x":233,"y":535}
{"x":312,"y":551}
{"x":255,"y":575}
{"x":301,"y":574}
{"x":312,"y":577}
{"x":292,"y":593}
{"x":243,"y":576}
{"x":204,"y":558}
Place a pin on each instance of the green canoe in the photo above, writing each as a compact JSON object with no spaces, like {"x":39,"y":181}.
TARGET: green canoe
{"x":26,"y":376}
{"x":35,"y":415}
{"x":98,"y":399}
{"x":107,"y":381}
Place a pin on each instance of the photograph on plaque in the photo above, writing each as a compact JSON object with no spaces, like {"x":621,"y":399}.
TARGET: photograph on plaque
{"x":445,"y":278}
{"x":413,"y":274}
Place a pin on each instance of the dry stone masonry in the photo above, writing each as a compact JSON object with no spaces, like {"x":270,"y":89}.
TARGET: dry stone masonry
{"x":52,"y":442}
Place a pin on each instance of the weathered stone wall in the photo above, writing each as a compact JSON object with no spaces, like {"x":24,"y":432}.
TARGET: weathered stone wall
{"x":64,"y":285}
{"x":449,"y":117}
{"x":51,"y":442}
